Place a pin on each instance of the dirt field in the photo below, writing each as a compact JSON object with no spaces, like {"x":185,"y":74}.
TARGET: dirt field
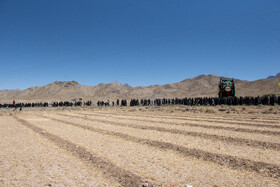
{"x":140,"y":146}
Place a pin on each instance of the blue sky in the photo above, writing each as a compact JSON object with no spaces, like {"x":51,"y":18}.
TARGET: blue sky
{"x":139,"y":42}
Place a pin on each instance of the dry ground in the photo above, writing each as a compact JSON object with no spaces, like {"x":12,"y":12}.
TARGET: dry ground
{"x":140,"y":146}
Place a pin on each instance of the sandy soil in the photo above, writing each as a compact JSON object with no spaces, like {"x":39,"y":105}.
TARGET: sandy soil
{"x":27,"y":159}
{"x":206,"y":144}
{"x":139,"y":147}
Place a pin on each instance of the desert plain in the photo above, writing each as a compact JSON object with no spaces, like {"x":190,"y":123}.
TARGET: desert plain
{"x":141,"y":146}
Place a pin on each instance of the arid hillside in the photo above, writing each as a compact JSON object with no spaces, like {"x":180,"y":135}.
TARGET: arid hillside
{"x":200,"y":86}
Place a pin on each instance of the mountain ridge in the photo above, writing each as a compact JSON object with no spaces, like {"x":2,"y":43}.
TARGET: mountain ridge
{"x":199,"y":86}
{"x":273,"y":76}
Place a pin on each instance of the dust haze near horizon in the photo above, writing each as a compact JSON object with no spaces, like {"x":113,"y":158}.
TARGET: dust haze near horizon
{"x":136,"y":42}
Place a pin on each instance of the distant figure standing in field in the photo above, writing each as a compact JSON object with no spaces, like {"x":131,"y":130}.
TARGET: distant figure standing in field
{"x":14,"y":105}
{"x":213,"y":102}
{"x":118,"y":102}
{"x":15,"y":108}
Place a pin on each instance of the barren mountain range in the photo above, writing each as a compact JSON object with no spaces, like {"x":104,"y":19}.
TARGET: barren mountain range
{"x":200,"y":86}
{"x":272,"y":77}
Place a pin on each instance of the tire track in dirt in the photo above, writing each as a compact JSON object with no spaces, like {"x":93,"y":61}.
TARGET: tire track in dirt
{"x":222,"y":118}
{"x":265,"y":169}
{"x":184,"y":124}
{"x":247,"y":123}
{"x":28,"y":159}
{"x":124,"y":177}
{"x":237,"y":141}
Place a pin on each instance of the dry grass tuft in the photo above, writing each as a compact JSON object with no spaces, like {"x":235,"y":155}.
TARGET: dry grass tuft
{"x":270,"y":110}
{"x":132,"y":110}
{"x":210,"y":110}
{"x":222,"y":109}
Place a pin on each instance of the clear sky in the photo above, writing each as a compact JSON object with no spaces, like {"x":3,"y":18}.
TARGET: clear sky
{"x":139,"y":42}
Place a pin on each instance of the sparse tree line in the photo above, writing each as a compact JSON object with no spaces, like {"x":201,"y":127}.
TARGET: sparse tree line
{"x":202,"y":101}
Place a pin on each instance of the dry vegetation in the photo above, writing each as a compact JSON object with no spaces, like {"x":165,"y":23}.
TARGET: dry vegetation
{"x":141,"y":146}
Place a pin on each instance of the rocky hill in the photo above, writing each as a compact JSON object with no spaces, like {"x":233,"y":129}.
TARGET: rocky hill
{"x":200,"y":86}
{"x":272,"y":77}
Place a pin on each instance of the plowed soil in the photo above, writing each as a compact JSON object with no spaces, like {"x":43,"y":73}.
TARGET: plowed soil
{"x":138,"y":146}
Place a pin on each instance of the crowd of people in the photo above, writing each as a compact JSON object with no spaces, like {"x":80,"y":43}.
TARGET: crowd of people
{"x":46,"y":104}
{"x":202,"y":101}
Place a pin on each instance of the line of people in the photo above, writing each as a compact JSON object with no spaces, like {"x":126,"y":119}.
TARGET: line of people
{"x":46,"y":104}
{"x":265,"y":100}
